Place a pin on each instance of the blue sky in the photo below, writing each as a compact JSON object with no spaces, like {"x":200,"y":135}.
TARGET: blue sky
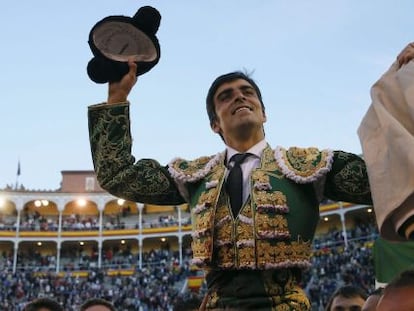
{"x":315,"y":62}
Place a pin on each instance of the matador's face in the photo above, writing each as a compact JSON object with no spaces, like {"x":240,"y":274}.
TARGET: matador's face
{"x":239,"y":110}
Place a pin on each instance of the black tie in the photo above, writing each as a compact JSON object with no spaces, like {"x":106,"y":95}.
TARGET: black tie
{"x":234,"y":184}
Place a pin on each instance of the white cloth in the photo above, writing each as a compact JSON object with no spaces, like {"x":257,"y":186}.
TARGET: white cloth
{"x":387,"y":139}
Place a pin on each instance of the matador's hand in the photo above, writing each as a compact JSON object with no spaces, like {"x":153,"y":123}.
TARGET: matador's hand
{"x":406,"y":55}
{"x":119,"y":91}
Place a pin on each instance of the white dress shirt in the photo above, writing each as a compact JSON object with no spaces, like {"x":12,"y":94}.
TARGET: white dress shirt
{"x":248,"y":164}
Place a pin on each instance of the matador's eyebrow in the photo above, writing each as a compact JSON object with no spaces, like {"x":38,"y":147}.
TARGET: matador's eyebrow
{"x":225,"y":92}
{"x":229,"y":90}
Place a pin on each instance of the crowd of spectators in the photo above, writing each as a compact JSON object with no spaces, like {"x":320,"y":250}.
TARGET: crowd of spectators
{"x":34,"y":221}
{"x":159,"y":284}
{"x":334,"y":264}
{"x":154,"y":287}
{"x":337,"y":260}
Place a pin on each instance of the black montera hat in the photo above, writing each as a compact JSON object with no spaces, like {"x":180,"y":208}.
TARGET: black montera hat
{"x":116,"y":39}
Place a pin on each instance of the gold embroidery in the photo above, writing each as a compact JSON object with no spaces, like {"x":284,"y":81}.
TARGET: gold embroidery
{"x":191,"y":167}
{"x":272,"y":288}
{"x":224,"y":232}
{"x":244,"y":228}
{"x":208,"y":197}
{"x":352,"y":179}
{"x":212,"y":300}
{"x":247,"y":257}
{"x":304,"y":161}
{"x":261,"y":177}
{"x":300,"y":250}
{"x":217,"y":173}
{"x":225,"y":256}
{"x":221,"y":212}
{"x":117,"y":171}
{"x":268,"y":160}
{"x":271,"y":226}
{"x":203,"y":221}
{"x":297,"y":298}
{"x":201,"y":249}
{"x":270,"y":198}
{"x":265,"y":253}
{"x":282,"y":254}
{"x":257,"y":238}
{"x":247,"y":211}
{"x":223,"y":236}
{"x":286,"y":294}
{"x":244,"y":231}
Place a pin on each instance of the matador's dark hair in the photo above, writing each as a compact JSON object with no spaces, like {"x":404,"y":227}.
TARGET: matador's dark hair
{"x":347,"y":291}
{"x":43,"y":303}
{"x":97,"y":302}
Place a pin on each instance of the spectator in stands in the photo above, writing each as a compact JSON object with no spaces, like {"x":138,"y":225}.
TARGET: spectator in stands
{"x":372,"y":300}
{"x":347,"y":298}
{"x":97,"y":304}
{"x":43,"y":304}
{"x":398,"y":294}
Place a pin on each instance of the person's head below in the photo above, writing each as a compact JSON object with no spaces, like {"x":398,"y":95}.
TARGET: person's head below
{"x":236,"y":111}
{"x":372,"y":300}
{"x":398,"y":294}
{"x":43,"y":304}
{"x":347,"y":298}
{"x":97,"y":304}
{"x":188,"y":304}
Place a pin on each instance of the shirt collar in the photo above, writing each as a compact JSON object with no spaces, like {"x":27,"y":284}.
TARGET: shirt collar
{"x":257,"y":150}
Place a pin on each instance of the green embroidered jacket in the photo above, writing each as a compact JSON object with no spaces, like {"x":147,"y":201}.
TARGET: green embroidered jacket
{"x":274,"y":228}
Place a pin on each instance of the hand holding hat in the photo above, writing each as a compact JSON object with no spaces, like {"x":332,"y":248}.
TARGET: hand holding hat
{"x":116,"y":39}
